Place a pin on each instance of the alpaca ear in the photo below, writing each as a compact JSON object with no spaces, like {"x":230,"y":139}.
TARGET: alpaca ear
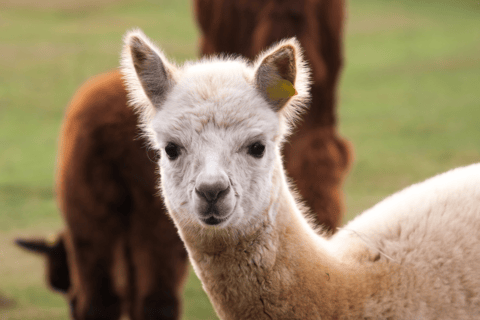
{"x":282,"y":74}
{"x":148,"y":74}
{"x":58,"y":272}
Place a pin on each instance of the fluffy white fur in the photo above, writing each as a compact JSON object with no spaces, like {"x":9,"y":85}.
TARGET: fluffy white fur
{"x":415,"y":255}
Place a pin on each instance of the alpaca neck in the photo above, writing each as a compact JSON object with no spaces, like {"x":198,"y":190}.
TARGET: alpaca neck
{"x":280,"y":269}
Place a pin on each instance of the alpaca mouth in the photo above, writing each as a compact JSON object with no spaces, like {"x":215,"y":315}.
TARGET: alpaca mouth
{"x":212,"y":217}
{"x":213,"y":221}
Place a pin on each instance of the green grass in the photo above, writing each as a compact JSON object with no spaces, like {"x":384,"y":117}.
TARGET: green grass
{"x":410,"y":94}
{"x":409,"y":102}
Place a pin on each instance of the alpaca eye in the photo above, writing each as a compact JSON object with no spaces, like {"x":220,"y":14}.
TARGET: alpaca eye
{"x":172,"y":150}
{"x":256,"y":150}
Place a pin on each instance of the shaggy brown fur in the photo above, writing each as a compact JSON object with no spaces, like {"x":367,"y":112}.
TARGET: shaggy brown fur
{"x":124,"y":254}
{"x":316,"y":157}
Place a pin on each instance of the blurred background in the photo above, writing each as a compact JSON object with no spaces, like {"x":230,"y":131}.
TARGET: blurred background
{"x":409,"y":103}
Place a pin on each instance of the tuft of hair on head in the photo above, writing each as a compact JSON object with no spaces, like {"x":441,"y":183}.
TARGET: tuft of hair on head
{"x":282,"y":76}
{"x":148,"y":76}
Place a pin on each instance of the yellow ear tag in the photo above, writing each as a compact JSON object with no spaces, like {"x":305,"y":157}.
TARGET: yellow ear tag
{"x":282,"y":89}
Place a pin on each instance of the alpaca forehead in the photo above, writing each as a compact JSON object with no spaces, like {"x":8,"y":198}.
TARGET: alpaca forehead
{"x":211,"y":124}
{"x":219,"y":81}
{"x":215,"y":96}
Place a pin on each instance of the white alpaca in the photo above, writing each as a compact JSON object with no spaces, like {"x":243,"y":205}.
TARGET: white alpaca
{"x":219,"y":124}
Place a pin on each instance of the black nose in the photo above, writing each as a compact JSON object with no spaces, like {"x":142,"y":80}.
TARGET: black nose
{"x":212,"y":192}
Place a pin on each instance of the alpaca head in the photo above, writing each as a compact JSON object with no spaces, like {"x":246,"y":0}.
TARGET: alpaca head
{"x":219,"y":124}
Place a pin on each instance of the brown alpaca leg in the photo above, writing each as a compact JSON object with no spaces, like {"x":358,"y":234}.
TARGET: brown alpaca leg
{"x":159,"y":262}
{"x":160,"y":270}
{"x":93,"y":295}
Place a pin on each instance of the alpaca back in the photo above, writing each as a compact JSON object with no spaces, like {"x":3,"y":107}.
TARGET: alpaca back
{"x":430,"y":230}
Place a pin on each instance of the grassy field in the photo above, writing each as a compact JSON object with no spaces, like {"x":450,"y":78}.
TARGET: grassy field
{"x":409,"y":102}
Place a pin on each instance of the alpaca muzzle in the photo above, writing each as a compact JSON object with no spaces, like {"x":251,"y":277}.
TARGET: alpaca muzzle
{"x":214,"y":201}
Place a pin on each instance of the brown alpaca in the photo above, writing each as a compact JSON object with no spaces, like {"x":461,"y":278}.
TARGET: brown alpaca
{"x":123,"y":252}
{"x":315,"y":157}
